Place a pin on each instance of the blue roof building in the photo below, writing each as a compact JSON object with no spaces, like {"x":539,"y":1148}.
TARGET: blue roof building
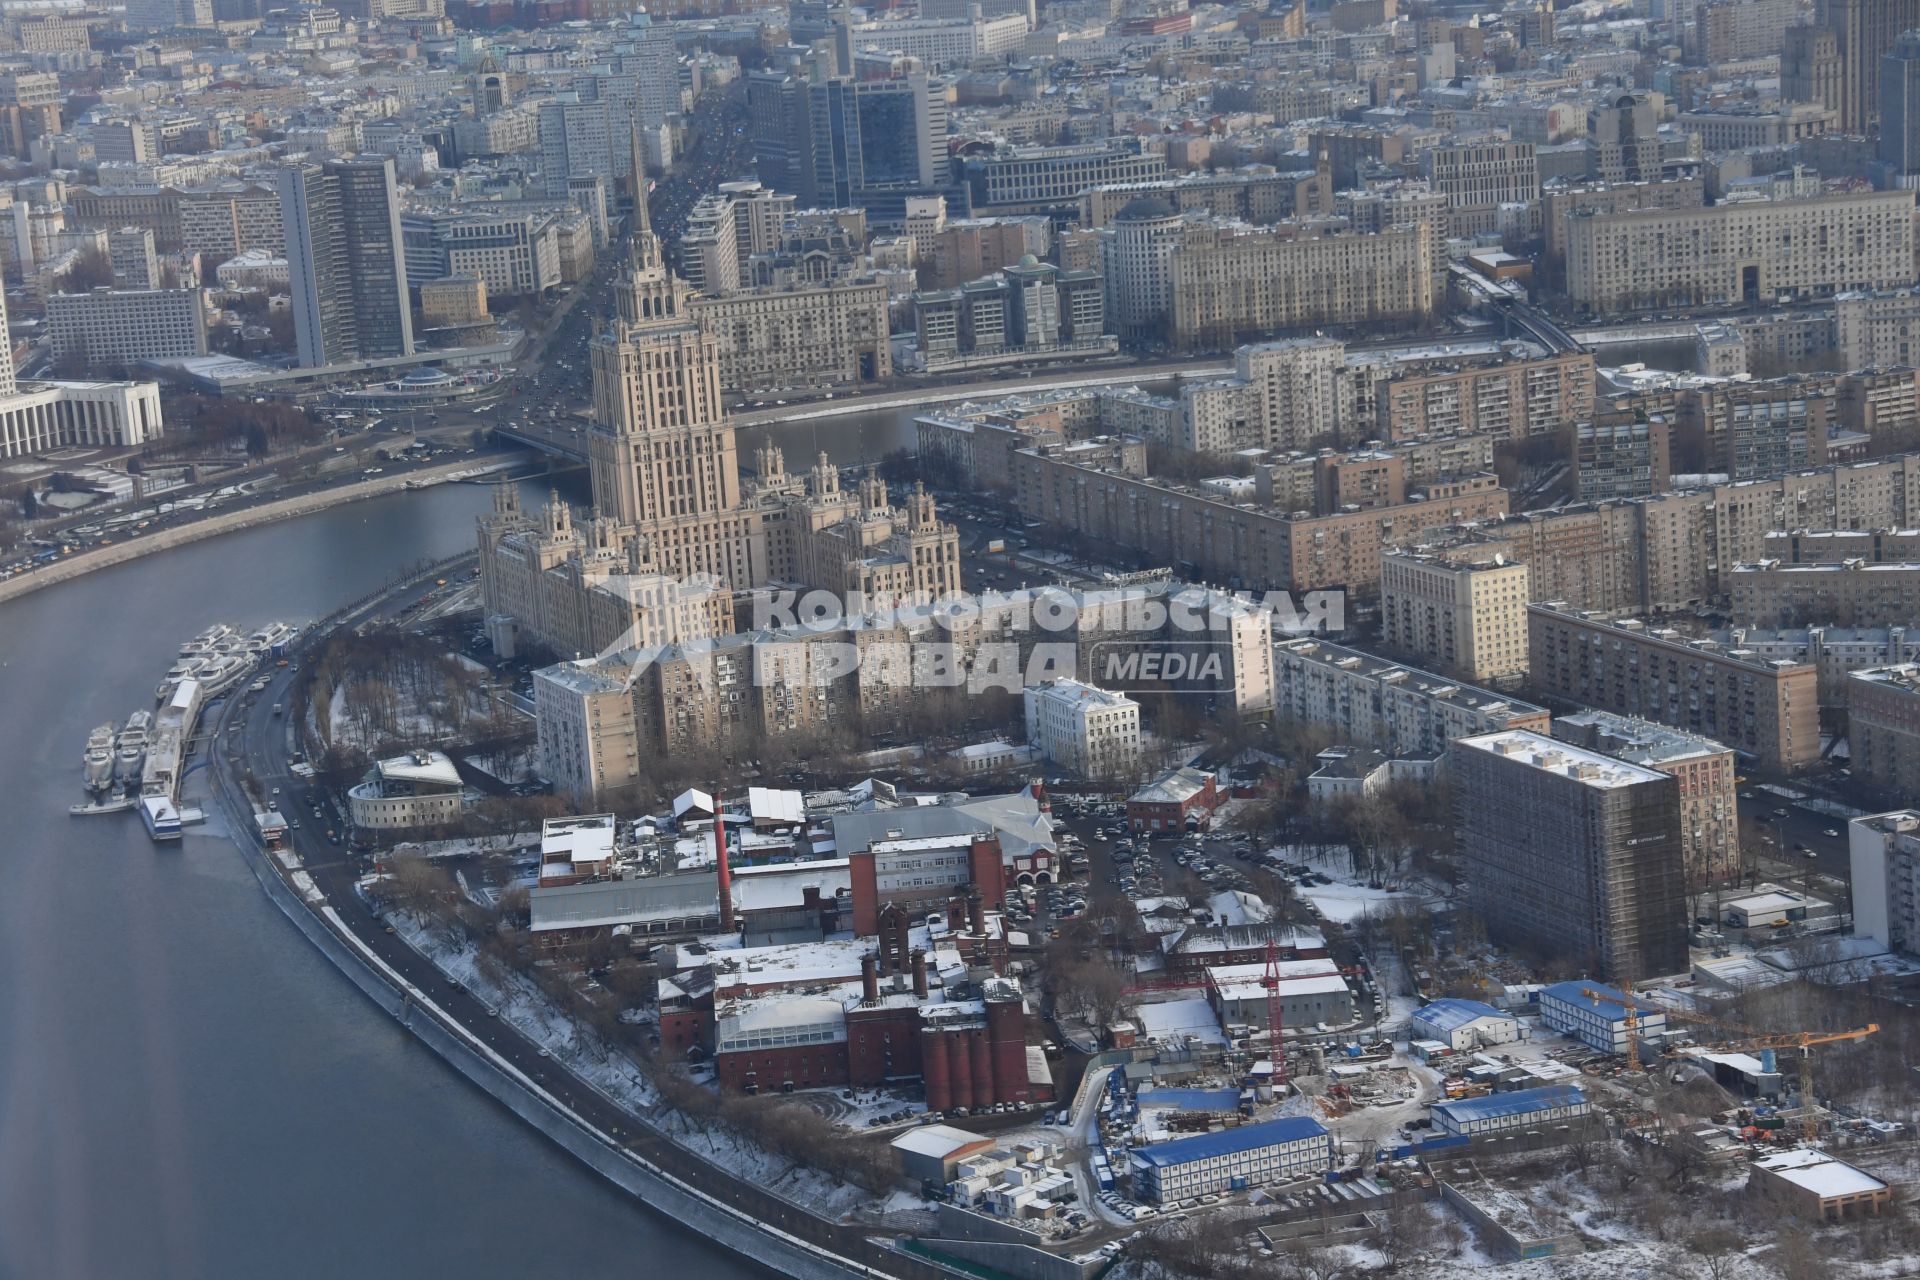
{"x":1462,"y":1025}
{"x":1250,"y":1155}
{"x":1522,"y":1109}
{"x":1601,"y":1024}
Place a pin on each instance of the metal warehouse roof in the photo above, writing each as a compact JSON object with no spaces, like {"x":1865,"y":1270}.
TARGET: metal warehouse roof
{"x":1517,"y":1103}
{"x":1451,"y":1013}
{"x":1248,"y":1137}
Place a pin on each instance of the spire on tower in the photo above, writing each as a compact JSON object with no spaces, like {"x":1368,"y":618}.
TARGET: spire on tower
{"x":642,"y":219}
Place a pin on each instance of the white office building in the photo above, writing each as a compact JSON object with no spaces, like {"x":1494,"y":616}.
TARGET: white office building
{"x":1084,"y":729}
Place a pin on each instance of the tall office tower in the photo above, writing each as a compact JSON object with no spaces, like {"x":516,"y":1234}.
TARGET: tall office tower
{"x":782,"y":139}
{"x":1810,"y":66}
{"x":1863,"y":30}
{"x":576,"y":141}
{"x":875,"y":137}
{"x":1573,"y":853}
{"x":1900,"y":110}
{"x":346,"y":261}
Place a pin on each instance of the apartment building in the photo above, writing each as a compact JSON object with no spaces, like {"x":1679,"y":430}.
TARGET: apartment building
{"x":834,"y":334}
{"x":1621,"y":455}
{"x":1258,"y":198}
{"x":1883,"y":727}
{"x":1836,"y":652}
{"x":1705,"y":770}
{"x":1463,"y":614}
{"x":1740,"y":251}
{"x":122,"y":326}
{"x":1508,"y":397}
{"x":1084,"y":729}
{"x":1846,"y":593}
{"x":1877,"y":327}
{"x":1372,"y":702}
{"x":1297,"y":394}
{"x":1883,"y":853}
{"x":1735,"y":129}
{"x":1766,"y":710}
{"x":1756,"y":430}
{"x":1205,"y":534}
{"x":1573,"y":853}
{"x":1230,"y":284}
{"x":1558,"y":200}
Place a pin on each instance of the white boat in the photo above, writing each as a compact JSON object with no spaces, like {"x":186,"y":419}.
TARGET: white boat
{"x":130,"y":749}
{"x":271,"y":640}
{"x":209,"y":640}
{"x":98,"y":762}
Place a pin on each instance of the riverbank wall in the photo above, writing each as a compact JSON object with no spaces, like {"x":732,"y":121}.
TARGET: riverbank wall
{"x":71,"y":567}
{"x":757,"y":1242}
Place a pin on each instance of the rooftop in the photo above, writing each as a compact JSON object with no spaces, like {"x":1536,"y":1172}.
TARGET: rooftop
{"x":584,"y":839}
{"x":1820,"y":1173}
{"x":1575,"y":763}
{"x":1517,"y":1103}
{"x":420,"y":766}
{"x":1433,"y":686}
{"x":1451,"y":1014}
{"x":1248,"y":1137}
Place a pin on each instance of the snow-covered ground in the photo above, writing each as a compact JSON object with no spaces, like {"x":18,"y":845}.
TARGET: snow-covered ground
{"x":523,"y":1005}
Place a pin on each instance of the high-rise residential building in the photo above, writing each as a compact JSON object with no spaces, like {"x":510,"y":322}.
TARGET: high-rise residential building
{"x":1084,"y":729}
{"x":1621,"y":454}
{"x":1900,"y":110}
{"x":1883,"y":726}
{"x":346,"y":261}
{"x":577,"y":140}
{"x":1705,"y":769}
{"x":1372,"y":702}
{"x":1231,"y":284}
{"x":1742,"y":251}
{"x":1300,"y":396}
{"x":130,"y":251}
{"x":1883,"y":853}
{"x":1766,"y":709}
{"x":1863,"y":30}
{"x":1573,"y":853}
{"x":1464,"y":614}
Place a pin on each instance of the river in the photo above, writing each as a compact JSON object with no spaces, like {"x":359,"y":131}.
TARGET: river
{"x":187,"y":1088}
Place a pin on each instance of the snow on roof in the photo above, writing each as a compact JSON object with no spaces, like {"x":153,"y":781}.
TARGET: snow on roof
{"x":1450,"y":1014}
{"x":420,"y":766}
{"x":582,"y":839}
{"x":785,"y":884}
{"x":1820,"y":1173}
{"x":938,"y":1141}
{"x":692,"y":798}
{"x":1613,"y":1010}
{"x":768,"y":804}
{"x":1176,"y":787}
{"x":1576,"y":763}
{"x":1167,"y":1019}
{"x":1247,"y":1137}
{"x":1516,"y":1103}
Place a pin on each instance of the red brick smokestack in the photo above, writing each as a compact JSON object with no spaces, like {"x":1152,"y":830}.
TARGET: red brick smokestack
{"x":976,"y":912}
{"x":870,"y":978}
{"x":920,"y":973}
{"x":726,"y":876}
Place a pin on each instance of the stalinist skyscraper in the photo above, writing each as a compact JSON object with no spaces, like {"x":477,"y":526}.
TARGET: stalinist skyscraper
{"x":669,"y":507}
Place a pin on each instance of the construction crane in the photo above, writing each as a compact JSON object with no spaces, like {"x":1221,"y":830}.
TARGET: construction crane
{"x":1276,"y":1013}
{"x":1746,"y":1040}
{"x":1804,"y":1042}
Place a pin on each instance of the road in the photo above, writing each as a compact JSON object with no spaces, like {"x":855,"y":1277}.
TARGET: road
{"x":247,"y":734}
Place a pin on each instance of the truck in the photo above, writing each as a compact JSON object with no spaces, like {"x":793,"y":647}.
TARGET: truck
{"x":996,"y":546}
{"x":276,"y":708}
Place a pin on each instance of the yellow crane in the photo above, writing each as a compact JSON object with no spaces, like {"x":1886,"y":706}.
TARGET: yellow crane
{"x":1746,"y":1039}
